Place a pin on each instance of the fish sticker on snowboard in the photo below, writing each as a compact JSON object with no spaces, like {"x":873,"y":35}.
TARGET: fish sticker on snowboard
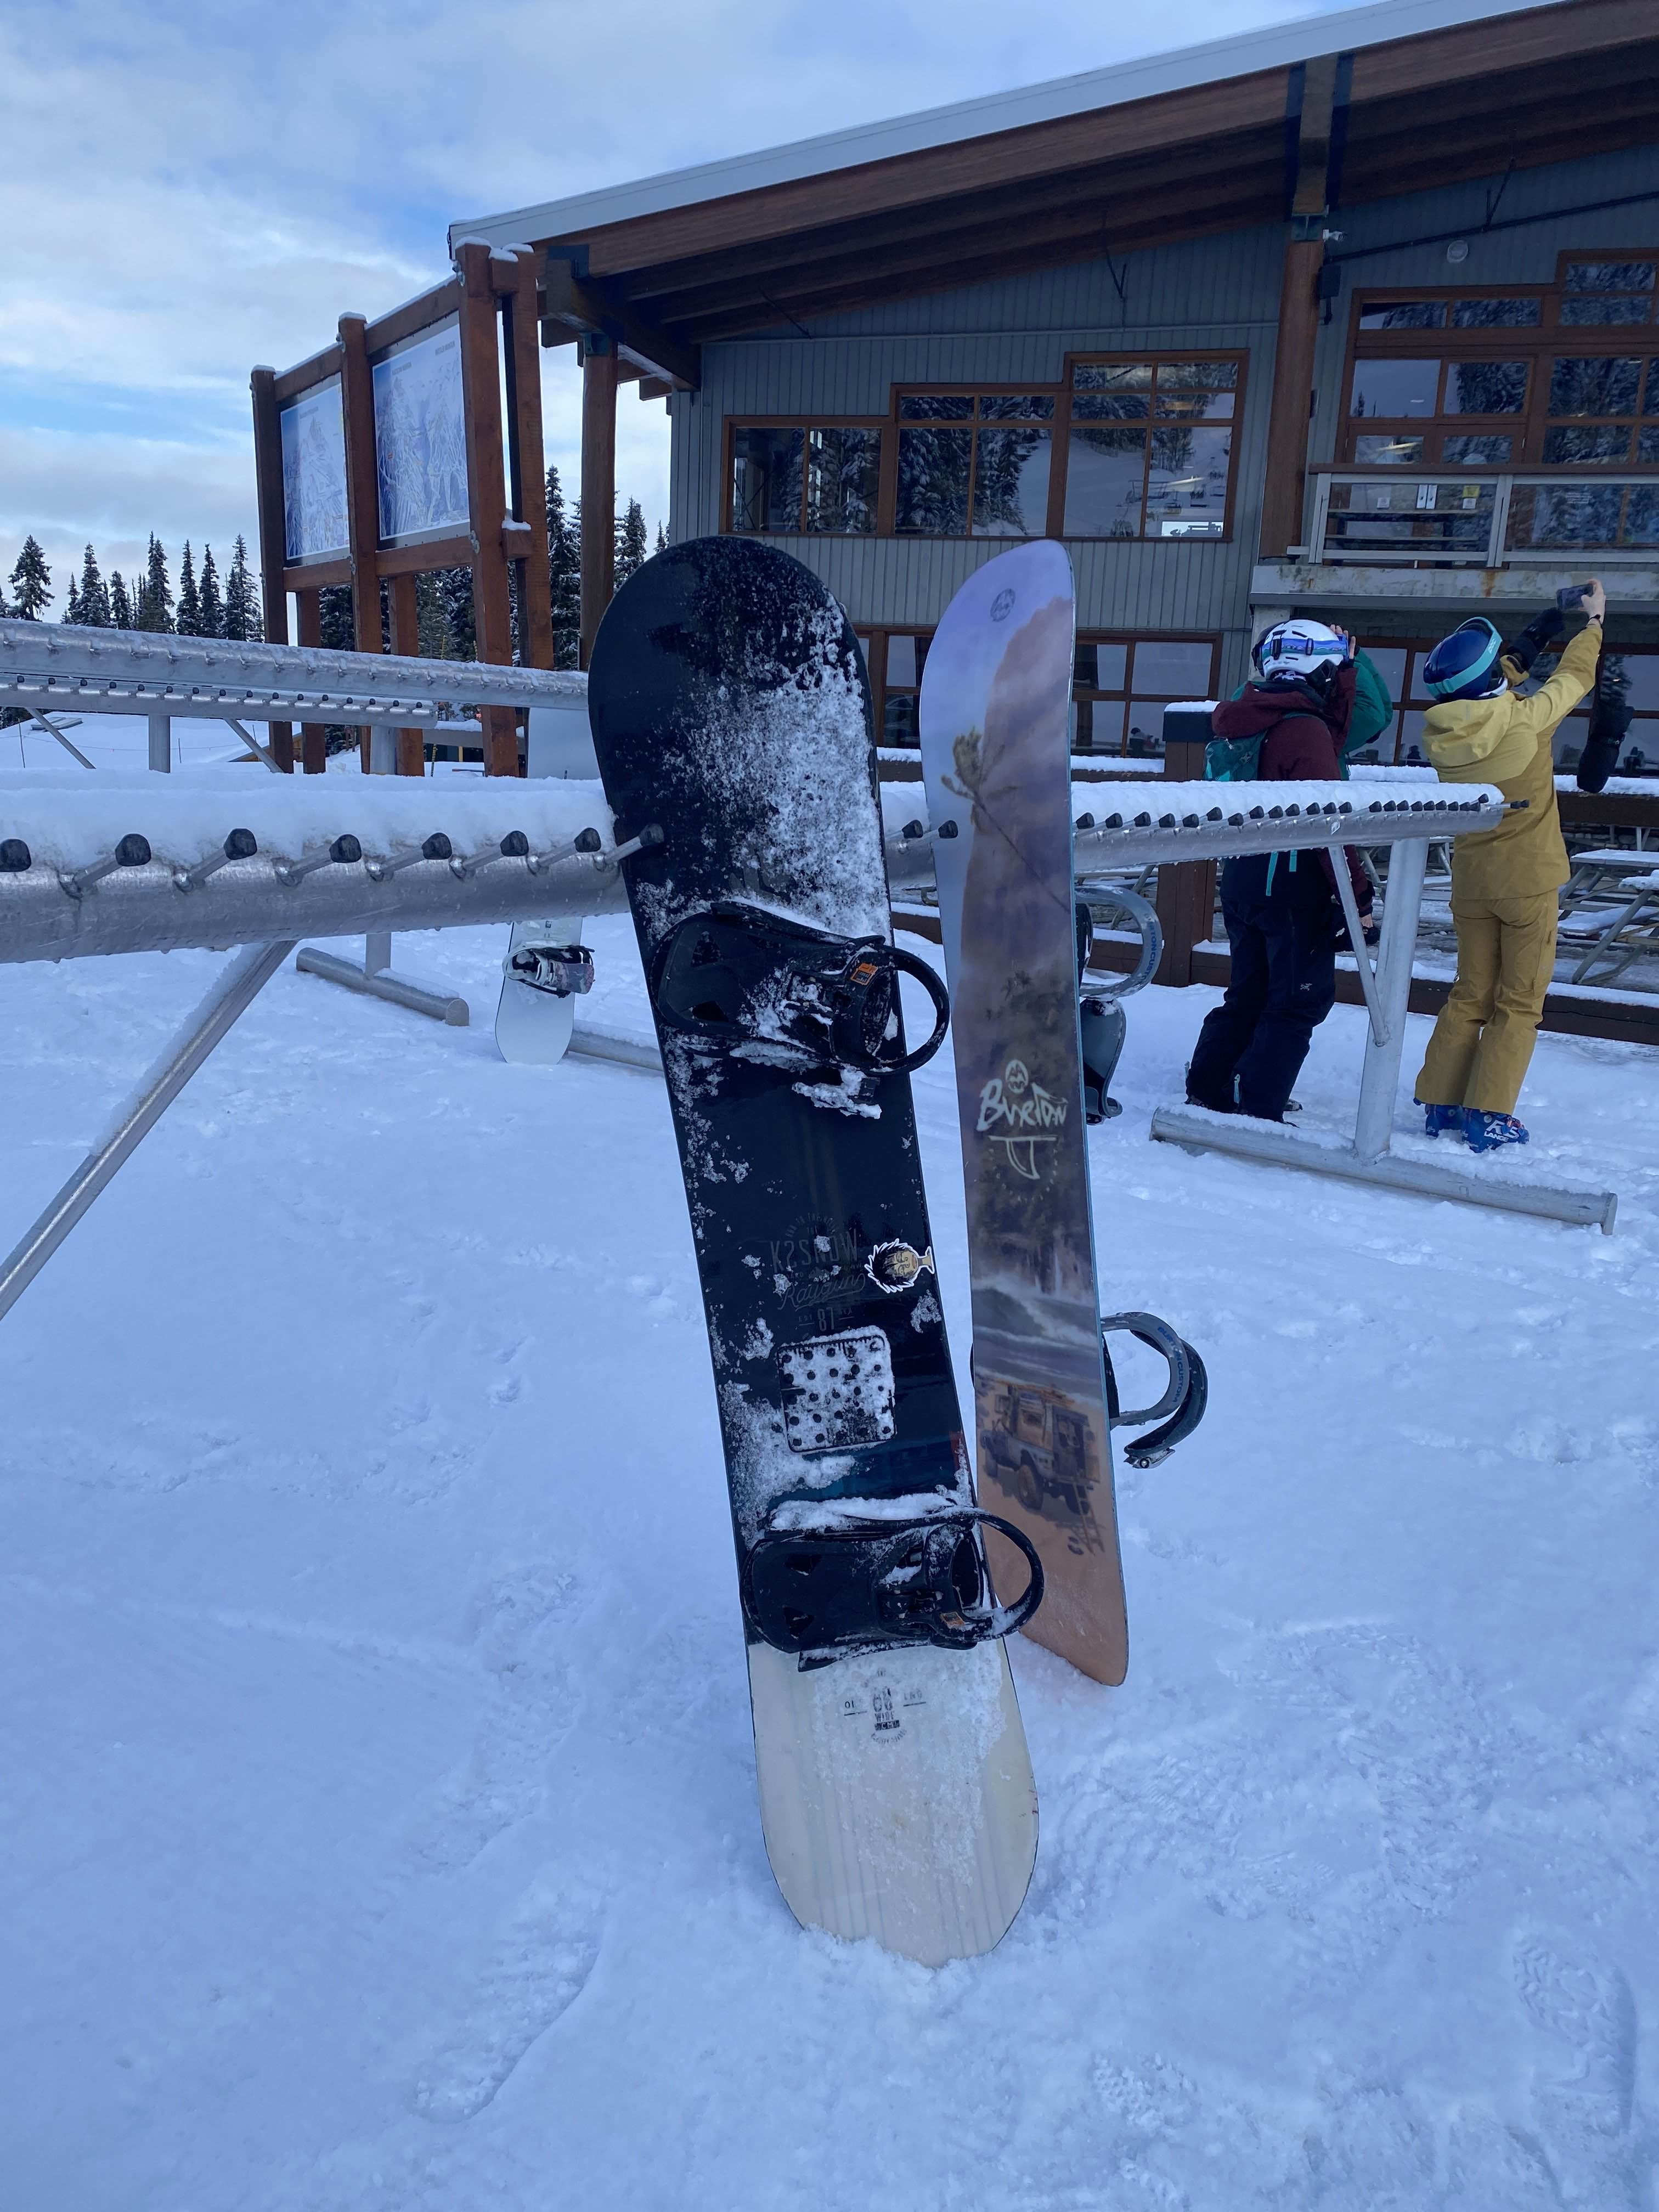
{"x":996,"y":753}
{"x":731,"y":714}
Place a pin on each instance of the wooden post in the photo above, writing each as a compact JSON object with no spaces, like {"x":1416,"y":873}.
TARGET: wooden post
{"x":362,"y":492}
{"x":406,"y":639}
{"x":1186,"y":890}
{"x":313,"y":738}
{"x":529,"y":465}
{"x":598,"y":486}
{"x":492,"y":608}
{"x":273,"y":535}
{"x":1288,"y":416}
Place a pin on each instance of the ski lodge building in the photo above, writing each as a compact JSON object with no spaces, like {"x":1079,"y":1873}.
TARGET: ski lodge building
{"x":1358,"y":314}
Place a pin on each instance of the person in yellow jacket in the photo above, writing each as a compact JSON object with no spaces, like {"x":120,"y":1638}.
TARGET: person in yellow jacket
{"x":1504,"y":881}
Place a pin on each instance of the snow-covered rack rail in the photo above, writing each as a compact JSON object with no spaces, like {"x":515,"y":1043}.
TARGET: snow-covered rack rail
{"x":120,"y":867}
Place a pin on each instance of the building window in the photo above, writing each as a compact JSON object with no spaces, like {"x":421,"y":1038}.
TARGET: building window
{"x":818,"y":478}
{"x":974,"y":464}
{"x":1149,"y":449}
{"x":1120,"y":686}
{"x":1126,"y":447}
{"x":1493,"y":379}
{"x":1400,"y":666}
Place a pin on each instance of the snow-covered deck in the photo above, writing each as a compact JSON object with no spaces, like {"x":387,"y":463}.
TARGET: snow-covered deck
{"x":381,"y":1827}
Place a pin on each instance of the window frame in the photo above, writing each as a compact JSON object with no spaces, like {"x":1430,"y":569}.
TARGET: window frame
{"x":1540,"y":343}
{"x":805,"y":423}
{"x":1133,"y":640}
{"x":887,"y":513}
{"x":1134,"y":357}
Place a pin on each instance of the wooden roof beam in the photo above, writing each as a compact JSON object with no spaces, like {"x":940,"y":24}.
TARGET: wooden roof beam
{"x":588,"y":310}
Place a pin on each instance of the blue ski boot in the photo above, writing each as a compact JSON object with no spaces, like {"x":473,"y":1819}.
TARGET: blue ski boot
{"x":1442,"y":1121}
{"x":1486,"y":1131}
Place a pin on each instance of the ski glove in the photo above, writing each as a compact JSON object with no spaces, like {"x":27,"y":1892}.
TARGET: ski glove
{"x":1369,"y":929}
{"x":1609,"y":718}
{"x":1539,"y":634}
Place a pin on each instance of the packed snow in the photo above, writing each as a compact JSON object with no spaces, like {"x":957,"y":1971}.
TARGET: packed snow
{"x":379,"y":1802}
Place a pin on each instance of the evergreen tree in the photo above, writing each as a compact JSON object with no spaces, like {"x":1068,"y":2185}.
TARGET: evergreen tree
{"x":72,"y":606}
{"x":661,"y":545}
{"x":564,"y":555}
{"x":31,"y":581}
{"x":243,"y":617}
{"x":154,"y":608}
{"x":632,"y":544}
{"x":432,"y":620}
{"x":120,"y":606}
{"x":455,"y":587}
{"x":188,"y":620}
{"x":209,"y":600}
{"x":338,"y":630}
{"x":94,"y":593}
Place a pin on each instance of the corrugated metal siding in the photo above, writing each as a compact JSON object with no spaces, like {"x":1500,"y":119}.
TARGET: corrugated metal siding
{"x":1222,"y":292}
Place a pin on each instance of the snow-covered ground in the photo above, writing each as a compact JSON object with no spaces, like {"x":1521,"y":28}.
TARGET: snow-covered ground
{"x":378,"y":1798}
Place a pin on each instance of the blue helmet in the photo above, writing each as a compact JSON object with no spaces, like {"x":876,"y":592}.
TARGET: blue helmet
{"x":1465,"y":664}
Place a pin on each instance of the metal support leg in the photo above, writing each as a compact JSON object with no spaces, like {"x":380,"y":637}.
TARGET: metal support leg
{"x":161,"y":742}
{"x":1356,"y":938}
{"x":231,"y":996}
{"x":1379,"y":1078}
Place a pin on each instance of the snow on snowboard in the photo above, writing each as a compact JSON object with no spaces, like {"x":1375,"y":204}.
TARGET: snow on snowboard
{"x":731,"y":712}
{"x":996,"y":754}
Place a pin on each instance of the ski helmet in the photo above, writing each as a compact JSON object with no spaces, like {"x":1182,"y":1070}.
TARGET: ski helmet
{"x":1465,"y":664}
{"x":1294,"y":651}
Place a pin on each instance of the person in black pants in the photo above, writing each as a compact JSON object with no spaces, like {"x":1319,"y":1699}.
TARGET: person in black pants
{"x":1284,"y":921}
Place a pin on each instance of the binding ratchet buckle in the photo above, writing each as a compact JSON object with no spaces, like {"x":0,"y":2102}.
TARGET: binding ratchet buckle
{"x":737,"y":974}
{"x":870,"y":1585}
{"x":563,"y":970}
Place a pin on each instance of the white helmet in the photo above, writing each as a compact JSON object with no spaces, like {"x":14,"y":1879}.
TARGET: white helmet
{"x":1295,"y":650}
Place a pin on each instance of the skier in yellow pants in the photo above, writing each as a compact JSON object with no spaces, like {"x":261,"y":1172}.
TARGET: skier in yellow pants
{"x":1504,"y":881}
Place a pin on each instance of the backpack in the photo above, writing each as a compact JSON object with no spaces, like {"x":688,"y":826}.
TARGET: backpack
{"x":1237,"y":760}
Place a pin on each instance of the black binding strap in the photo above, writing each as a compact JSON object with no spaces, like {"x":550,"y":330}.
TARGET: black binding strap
{"x":737,"y":974}
{"x":1186,"y":1394}
{"x":869,"y":1585}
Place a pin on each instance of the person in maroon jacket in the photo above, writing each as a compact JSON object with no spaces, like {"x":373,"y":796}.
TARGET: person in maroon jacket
{"x":1284,"y":921}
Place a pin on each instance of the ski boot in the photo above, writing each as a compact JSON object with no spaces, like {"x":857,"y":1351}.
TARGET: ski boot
{"x":1103,"y":1027}
{"x":1442,"y":1121}
{"x":561,"y":970}
{"x":768,"y":989}
{"x":834,"y":1587}
{"x":1486,"y":1131}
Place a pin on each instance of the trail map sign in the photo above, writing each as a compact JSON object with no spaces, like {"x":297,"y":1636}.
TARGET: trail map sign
{"x":420,"y":436}
{"x":314,"y":473}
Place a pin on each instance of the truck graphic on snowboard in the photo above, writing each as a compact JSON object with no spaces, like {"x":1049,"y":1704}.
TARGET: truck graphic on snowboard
{"x":1039,"y":1448}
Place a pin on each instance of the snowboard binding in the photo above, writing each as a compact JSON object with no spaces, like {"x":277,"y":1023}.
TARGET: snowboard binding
{"x":563,"y":970}
{"x":1102,"y":1023}
{"x":871,"y":1585}
{"x":1186,"y":1394}
{"x":736,"y":974}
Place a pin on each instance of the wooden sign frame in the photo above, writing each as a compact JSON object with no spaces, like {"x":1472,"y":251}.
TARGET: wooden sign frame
{"x":490,"y":293}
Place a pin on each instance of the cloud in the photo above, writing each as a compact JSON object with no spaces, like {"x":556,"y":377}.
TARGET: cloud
{"x":192,"y":190}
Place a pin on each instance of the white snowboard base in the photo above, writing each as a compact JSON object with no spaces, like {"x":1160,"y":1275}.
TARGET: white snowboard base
{"x":897,"y":1795}
{"x":533,"y":1027}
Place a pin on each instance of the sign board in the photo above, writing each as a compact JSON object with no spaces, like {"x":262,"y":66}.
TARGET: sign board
{"x":314,"y":473}
{"x":420,"y":437}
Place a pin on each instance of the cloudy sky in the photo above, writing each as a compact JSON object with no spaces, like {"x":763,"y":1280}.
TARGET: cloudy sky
{"x":191,"y":189}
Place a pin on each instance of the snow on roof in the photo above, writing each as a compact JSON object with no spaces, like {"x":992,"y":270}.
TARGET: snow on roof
{"x":1273,"y":46}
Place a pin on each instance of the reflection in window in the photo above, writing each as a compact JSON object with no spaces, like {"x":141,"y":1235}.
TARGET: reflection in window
{"x":1516,"y":315}
{"x":933,"y":468}
{"x":1388,"y":447}
{"x":766,"y":479}
{"x":993,"y":480}
{"x":1605,"y":312}
{"x":1610,"y":275}
{"x":1151,"y":448}
{"x":1105,"y":479}
{"x":1603,"y":442}
{"x":1594,"y":383}
{"x":1011,"y":483}
{"x":1121,"y":687}
{"x":1395,"y":388}
{"x":1403,"y":315}
{"x":1172,"y":668}
{"x":1486,"y":388}
{"x":1477,"y":450}
{"x":843,"y":469}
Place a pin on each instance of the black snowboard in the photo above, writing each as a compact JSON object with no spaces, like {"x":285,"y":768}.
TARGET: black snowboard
{"x":730,"y":708}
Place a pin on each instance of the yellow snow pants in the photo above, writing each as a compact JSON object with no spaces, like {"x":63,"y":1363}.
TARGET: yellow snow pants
{"x":1482,"y":1042}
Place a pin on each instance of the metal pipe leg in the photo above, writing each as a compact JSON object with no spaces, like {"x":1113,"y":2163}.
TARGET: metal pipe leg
{"x":1379,"y":1078}
{"x":161,"y":742}
{"x":231,"y":996}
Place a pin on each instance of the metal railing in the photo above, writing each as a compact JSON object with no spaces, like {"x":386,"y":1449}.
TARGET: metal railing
{"x":1482,"y":518}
